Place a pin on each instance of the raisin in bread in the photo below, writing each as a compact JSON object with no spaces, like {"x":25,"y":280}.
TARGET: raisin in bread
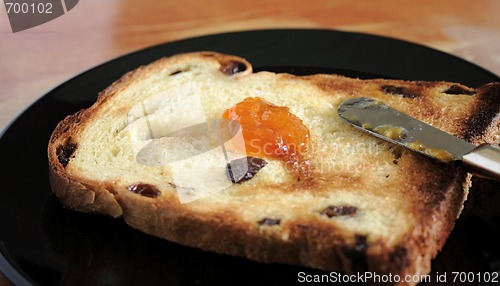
{"x":367,"y":205}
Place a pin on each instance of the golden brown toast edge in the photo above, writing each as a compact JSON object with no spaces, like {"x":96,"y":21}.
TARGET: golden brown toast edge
{"x":349,"y":256}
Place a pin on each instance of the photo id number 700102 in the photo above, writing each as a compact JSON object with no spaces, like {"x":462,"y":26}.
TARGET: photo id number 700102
{"x":28,"y":8}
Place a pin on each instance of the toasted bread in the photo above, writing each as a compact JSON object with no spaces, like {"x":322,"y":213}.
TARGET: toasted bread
{"x":367,"y":205}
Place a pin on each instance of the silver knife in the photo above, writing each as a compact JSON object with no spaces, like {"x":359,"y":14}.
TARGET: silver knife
{"x":380,"y":120}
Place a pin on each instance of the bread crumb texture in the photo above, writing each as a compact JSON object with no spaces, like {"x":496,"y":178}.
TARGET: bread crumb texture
{"x":361,"y":190}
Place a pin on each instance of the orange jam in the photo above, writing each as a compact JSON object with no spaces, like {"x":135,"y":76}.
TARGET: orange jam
{"x":270,"y":131}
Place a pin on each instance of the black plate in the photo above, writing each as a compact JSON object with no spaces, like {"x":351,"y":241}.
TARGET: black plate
{"x":42,"y":243}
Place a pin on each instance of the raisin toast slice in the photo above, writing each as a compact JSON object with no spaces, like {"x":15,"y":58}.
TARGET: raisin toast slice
{"x":367,"y":206}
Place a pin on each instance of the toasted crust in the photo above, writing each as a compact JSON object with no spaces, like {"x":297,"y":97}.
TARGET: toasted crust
{"x":430,"y":194}
{"x":484,"y":124}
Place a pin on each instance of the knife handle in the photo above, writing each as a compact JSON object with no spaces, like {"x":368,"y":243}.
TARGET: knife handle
{"x":483,"y":161}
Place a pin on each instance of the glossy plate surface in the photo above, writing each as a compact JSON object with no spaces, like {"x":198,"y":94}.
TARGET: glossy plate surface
{"x":41,"y":243}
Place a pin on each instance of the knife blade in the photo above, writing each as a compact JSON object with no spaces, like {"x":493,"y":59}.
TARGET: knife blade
{"x":380,"y":120}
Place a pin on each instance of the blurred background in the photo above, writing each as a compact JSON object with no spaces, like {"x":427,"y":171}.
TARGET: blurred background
{"x":34,"y":61}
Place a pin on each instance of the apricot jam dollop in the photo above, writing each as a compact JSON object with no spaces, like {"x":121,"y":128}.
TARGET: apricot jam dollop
{"x":271,"y":131}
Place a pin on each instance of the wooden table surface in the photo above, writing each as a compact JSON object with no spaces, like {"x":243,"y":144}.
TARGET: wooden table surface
{"x":35,"y":60}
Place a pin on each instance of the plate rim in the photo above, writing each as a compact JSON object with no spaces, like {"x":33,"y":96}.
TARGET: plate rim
{"x":15,"y":273}
{"x":228,"y":33}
